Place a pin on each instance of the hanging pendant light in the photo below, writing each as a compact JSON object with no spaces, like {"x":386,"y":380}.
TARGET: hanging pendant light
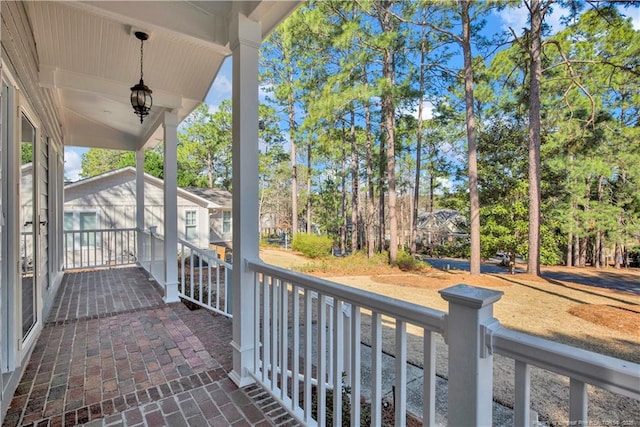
{"x":141,"y":99}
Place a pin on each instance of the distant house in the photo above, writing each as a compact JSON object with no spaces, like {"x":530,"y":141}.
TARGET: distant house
{"x":109,"y":201}
{"x":440,"y":226}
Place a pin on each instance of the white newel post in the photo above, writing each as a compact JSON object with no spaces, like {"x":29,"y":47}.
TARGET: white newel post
{"x":170,"y":124}
{"x":140,"y":206}
{"x":245,"y":37}
{"x":470,"y":389}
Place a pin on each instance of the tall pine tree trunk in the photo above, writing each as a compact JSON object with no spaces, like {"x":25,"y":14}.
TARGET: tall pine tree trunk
{"x":382,"y":229}
{"x":416,"y":186}
{"x":354,"y":185}
{"x":385,"y":18}
{"x":584,"y":242}
{"x":474,"y":263}
{"x":535,"y":75}
{"x":371,"y":238}
{"x":309,"y":189}
{"x":294,"y":168}
{"x":343,"y":204}
{"x":569,"y":262}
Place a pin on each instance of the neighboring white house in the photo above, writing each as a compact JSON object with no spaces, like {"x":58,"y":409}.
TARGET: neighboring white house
{"x":108,"y":201}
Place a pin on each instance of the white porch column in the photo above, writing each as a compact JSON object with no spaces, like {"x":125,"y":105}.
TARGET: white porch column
{"x":470,"y":390}
{"x":170,"y":124}
{"x":245,"y":38}
{"x":140,"y":205}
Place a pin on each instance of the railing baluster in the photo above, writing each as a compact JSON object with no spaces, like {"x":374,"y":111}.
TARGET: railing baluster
{"x":522,"y":398}
{"x":191,"y":274}
{"x":429,"y":379}
{"x":209,"y":287}
{"x":274,"y":332}
{"x":295,"y":348}
{"x":330,"y":320}
{"x":308,"y":303}
{"x":284,"y":338}
{"x":336,"y":356}
{"x":577,"y":402}
{"x":259,"y":332}
{"x":376,"y":369}
{"x":200,"y":297}
{"x":183,"y":264}
{"x":400,"y":397}
{"x":321,"y":388}
{"x":266,"y":327}
{"x":217,"y":286}
{"x":355,"y":365}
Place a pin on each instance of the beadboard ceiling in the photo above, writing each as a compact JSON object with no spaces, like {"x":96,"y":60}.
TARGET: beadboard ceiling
{"x":88,"y":54}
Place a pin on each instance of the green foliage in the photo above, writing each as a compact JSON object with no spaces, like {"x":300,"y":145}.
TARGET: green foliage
{"x":97,"y":161}
{"x":312,"y":245}
{"x":26,"y":153}
{"x":406,"y":262}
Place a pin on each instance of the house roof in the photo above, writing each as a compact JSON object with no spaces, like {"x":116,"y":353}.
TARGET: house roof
{"x":220,"y":197}
{"x":88,"y":58}
{"x":209,"y":203}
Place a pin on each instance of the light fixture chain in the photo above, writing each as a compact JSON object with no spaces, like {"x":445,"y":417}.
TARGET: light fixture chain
{"x":141,"y":57}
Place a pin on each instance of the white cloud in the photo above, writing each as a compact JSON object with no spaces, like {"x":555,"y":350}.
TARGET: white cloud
{"x":514,"y":17}
{"x":427,"y":110}
{"x":264,"y":90}
{"x":518,"y":18}
{"x":72,"y":164}
{"x":443,"y":183}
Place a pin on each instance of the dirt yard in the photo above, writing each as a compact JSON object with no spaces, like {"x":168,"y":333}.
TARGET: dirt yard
{"x":596,"y":319}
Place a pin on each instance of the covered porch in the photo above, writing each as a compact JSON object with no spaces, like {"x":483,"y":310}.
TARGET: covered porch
{"x":104,"y":345}
{"x":112,"y":352}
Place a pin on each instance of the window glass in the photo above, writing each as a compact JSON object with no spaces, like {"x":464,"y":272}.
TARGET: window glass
{"x":88,"y":221}
{"x":226,"y":222}
{"x":190,"y":224}
{"x":68,"y":226}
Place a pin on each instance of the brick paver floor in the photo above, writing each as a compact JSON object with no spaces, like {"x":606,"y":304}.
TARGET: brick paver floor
{"x":112,"y":353}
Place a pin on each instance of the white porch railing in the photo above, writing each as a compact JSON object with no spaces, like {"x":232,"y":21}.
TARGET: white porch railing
{"x":307,"y":341}
{"x":99,"y":248}
{"x":151,"y":255}
{"x":205,"y":280}
{"x":303,"y":347}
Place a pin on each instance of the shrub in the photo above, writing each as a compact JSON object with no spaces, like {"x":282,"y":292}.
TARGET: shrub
{"x":406,"y":262}
{"x":312,"y":245}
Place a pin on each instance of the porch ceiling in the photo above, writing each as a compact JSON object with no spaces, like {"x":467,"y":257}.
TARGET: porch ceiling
{"x":88,"y":55}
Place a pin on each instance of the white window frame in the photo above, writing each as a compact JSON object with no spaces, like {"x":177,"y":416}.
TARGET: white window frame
{"x":78,"y":241}
{"x":188,"y":226}
{"x":227,"y":221}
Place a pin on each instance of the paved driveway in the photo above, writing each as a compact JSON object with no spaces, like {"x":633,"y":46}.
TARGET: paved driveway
{"x":463,"y":264}
{"x":621,"y":280}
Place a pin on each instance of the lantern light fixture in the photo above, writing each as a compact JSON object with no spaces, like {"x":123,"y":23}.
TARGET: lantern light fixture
{"x":141,"y":99}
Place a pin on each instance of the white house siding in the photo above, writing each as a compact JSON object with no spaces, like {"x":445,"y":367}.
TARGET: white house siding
{"x":113,"y":197}
{"x":218,"y":236}
{"x":20,"y":74}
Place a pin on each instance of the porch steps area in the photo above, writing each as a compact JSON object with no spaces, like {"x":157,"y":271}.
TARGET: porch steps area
{"x":113,"y":353}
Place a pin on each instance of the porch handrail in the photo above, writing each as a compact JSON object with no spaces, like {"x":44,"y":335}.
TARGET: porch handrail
{"x":205,"y":280}
{"x":608,"y":373}
{"x":286,"y":317}
{"x":386,"y":306}
{"x":105,"y":247}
